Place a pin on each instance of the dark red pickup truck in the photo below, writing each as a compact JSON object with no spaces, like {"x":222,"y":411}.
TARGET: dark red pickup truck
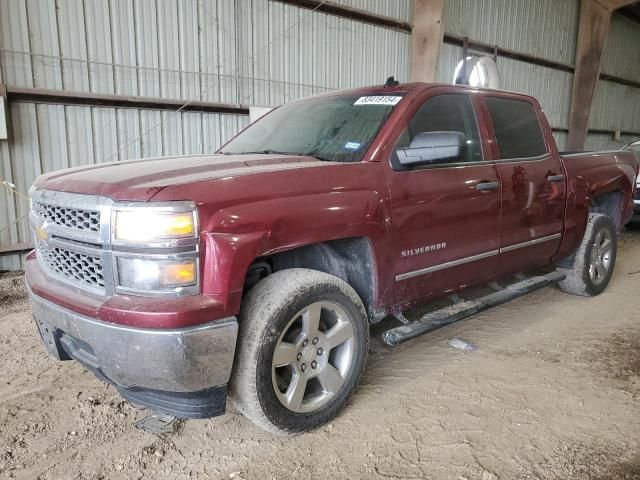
{"x":259,"y":269}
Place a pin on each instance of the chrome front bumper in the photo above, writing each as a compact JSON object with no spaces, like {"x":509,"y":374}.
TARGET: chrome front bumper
{"x":173,"y":360}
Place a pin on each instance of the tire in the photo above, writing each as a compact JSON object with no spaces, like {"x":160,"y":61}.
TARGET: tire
{"x":589,"y":270}
{"x":277,"y":315}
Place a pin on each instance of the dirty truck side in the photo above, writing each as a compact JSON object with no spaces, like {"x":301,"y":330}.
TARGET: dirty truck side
{"x":254,"y":273}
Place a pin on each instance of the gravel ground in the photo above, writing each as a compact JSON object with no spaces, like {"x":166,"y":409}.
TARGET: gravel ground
{"x":553,"y":392}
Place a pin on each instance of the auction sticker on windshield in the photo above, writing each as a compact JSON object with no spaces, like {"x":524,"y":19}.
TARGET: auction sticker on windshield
{"x":378,"y":100}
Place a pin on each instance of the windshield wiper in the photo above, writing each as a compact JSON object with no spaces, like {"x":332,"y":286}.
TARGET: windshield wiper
{"x":266,"y":151}
{"x":269,"y":151}
{"x":317,"y":156}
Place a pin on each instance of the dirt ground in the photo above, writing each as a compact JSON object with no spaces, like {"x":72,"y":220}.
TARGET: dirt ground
{"x":553,"y":392}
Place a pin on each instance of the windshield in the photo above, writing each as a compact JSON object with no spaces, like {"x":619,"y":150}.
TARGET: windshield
{"x":329,"y":128}
{"x":635,"y":146}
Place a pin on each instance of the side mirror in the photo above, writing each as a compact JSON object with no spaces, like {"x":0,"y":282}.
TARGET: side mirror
{"x":433,"y":147}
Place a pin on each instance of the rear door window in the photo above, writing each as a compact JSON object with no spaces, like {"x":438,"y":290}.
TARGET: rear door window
{"x":517,"y":128}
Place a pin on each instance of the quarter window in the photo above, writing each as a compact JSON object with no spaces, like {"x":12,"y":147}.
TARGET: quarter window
{"x":517,"y":128}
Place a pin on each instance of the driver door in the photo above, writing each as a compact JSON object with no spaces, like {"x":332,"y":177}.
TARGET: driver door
{"x":445,"y":214}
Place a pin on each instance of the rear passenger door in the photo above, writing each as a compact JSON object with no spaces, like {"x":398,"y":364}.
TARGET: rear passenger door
{"x":533,"y":183}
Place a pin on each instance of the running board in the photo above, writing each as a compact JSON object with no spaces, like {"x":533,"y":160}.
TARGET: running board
{"x":465,"y":308}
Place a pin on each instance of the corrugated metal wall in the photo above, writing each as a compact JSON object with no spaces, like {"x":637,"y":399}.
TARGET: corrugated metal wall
{"x":621,"y":55}
{"x":615,"y":106}
{"x":549,"y":29}
{"x":400,"y":9}
{"x":254,"y":52}
{"x":245,"y":52}
{"x":544,"y":28}
{"x":551,"y":87}
{"x":230,"y":51}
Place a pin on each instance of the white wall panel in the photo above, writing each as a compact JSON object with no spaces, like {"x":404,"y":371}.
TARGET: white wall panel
{"x":24,"y":153}
{"x":105,"y":139}
{"x":99,"y":46}
{"x":561,"y":140}
{"x":8,"y":200}
{"x":597,"y":142}
{"x":211,"y":133}
{"x":230,"y":51}
{"x":192,"y":133}
{"x":615,"y":107}
{"x":42,"y":19}
{"x":168,"y":34}
{"x":621,"y":56}
{"x":544,"y":28}
{"x":80,"y":136}
{"x":129,"y":145}
{"x":186,"y":49}
{"x":172,"y":133}
{"x":52,"y":130}
{"x":73,"y":44}
{"x":14,"y":37}
{"x":151,"y":143}
{"x":123,"y":46}
{"x":146,"y":42}
{"x":226,"y":53}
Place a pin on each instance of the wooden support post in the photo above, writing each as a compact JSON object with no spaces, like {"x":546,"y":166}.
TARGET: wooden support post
{"x":595,"y":18}
{"x":426,"y":39}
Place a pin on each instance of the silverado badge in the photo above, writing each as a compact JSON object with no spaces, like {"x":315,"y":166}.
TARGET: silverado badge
{"x":421,"y":250}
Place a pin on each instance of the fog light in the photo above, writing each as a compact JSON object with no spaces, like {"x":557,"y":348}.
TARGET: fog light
{"x":149,"y":275}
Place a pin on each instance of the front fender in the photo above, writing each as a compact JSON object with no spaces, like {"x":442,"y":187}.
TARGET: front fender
{"x":238,"y":234}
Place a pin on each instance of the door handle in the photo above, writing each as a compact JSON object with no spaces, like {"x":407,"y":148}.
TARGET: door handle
{"x":487,"y":186}
{"x":555,"y":178}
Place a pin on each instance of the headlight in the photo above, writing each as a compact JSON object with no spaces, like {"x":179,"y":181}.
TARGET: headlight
{"x":152,"y":224}
{"x":159,"y":275}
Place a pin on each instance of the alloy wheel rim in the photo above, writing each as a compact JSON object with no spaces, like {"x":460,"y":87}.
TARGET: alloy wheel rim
{"x":313,"y":357}
{"x":600,"y":259}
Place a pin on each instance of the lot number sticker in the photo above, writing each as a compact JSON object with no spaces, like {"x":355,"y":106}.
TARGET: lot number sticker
{"x":378,"y":100}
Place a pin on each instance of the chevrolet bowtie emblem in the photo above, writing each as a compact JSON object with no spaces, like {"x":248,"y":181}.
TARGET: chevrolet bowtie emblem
{"x":41,"y":234}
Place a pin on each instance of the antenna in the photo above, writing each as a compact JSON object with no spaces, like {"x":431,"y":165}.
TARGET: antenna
{"x":391,"y":82}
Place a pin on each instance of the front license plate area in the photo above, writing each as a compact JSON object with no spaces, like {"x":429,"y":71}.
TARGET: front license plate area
{"x":51,"y":339}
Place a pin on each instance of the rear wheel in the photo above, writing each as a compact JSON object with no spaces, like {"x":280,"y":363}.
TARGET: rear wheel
{"x":589,"y":271}
{"x":301,"y":350}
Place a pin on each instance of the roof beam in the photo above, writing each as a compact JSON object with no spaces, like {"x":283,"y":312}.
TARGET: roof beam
{"x":331,"y":8}
{"x":15,"y":248}
{"x":595,"y":20}
{"x":66,"y":97}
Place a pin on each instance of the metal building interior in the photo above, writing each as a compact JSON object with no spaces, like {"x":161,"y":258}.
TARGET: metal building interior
{"x":546,"y":387}
{"x":88,"y":82}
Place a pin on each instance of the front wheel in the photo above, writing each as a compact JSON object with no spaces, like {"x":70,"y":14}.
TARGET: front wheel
{"x":301,"y":350}
{"x":589,"y":271}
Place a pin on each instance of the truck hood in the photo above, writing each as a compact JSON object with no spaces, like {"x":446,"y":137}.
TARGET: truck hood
{"x":142,"y":179}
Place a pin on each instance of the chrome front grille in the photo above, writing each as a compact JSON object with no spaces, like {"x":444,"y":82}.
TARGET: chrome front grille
{"x":76,"y":218}
{"x":71,"y":236}
{"x":76,"y":266}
